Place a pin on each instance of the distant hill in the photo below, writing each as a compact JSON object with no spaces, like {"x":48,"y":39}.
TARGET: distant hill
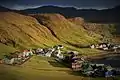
{"x":2,"y":9}
{"x":91,"y":15}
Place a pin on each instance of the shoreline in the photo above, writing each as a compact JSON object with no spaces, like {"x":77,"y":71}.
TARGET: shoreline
{"x":102,"y":55}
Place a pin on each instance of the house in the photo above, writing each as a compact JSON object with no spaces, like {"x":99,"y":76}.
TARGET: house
{"x":77,"y":65}
{"x":1,"y":61}
{"x":92,"y":46}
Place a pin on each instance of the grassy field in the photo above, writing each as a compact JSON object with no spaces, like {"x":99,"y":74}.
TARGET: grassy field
{"x":5,"y":50}
{"x":40,"y":68}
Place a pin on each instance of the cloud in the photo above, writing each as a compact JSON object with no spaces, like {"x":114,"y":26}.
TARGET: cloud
{"x":77,"y":3}
{"x":8,"y":1}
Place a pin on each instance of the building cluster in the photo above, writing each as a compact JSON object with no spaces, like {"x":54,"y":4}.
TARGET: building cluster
{"x":106,"y":46}
{"x":73,"y":59}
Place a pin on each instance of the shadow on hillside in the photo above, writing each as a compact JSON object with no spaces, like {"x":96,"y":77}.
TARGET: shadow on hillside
{"x":78,"y":45}
{"x":56,"y":64}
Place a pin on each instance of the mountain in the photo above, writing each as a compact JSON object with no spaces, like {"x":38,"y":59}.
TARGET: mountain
{"x":91,"y":15}
{"x":41,"y":30}
{"x":64,"y":30}
{"x":2,"y":9}
{"x":23,"y":31}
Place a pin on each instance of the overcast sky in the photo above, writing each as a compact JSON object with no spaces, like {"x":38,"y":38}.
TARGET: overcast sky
{"x":23,"y":4}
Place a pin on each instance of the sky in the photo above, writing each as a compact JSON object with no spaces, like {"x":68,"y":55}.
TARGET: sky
{"x":86,"y":4}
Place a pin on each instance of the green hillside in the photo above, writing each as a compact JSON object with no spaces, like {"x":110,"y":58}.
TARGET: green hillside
{"x":66,"y":31}
{"x":20,"y":31}
{"x":104,"y":30}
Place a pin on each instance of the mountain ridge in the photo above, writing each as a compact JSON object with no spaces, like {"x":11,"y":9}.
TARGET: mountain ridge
{"x":2,"y":9}
{"x":91,"y":15}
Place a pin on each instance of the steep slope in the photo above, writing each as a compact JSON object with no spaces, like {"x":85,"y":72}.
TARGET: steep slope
{"x":105,"y":30}
{"x":64,"y":30}
{"x":23,"y":31}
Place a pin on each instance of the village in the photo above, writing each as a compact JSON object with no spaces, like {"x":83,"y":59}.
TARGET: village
{"x":71,"y":59}
{"x":106,"y":47}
